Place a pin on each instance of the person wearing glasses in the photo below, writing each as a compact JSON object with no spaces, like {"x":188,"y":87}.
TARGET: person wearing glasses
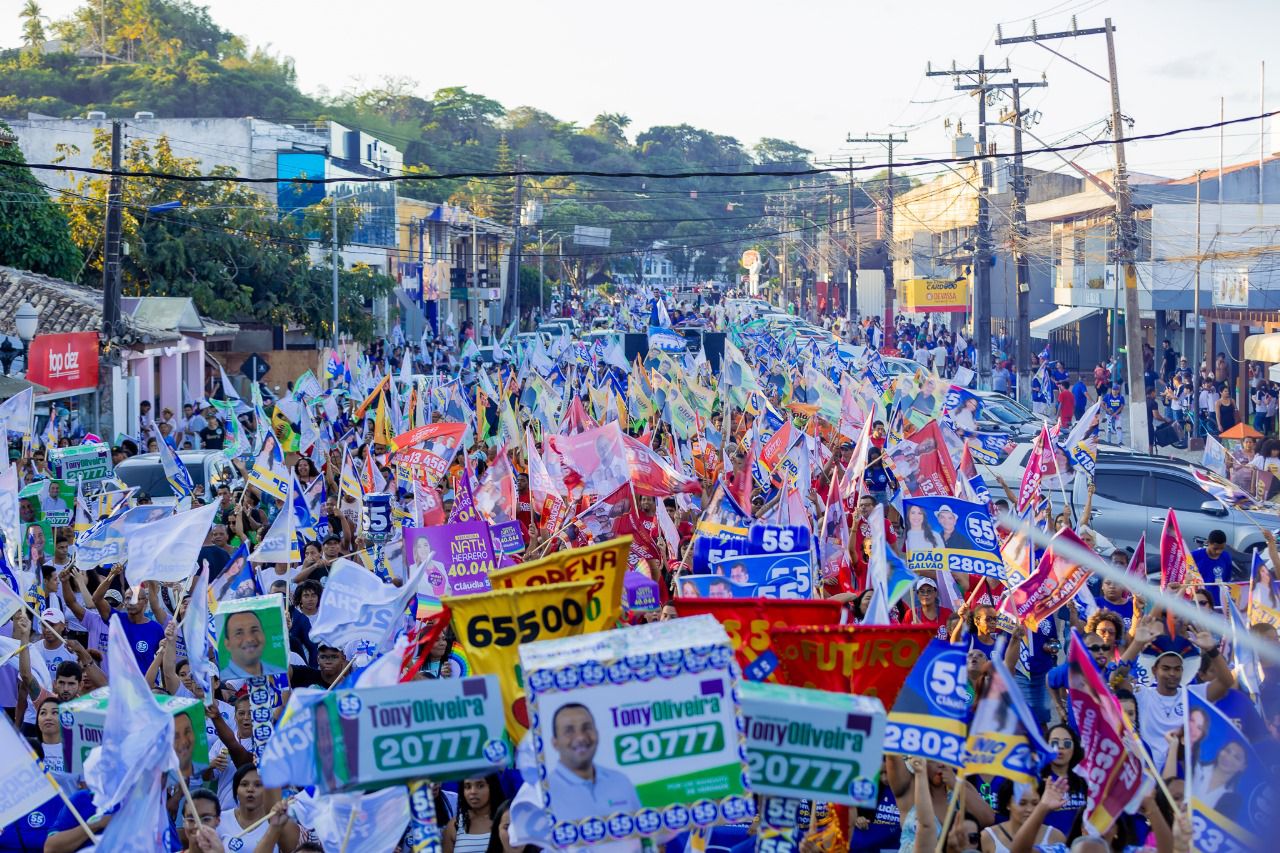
{"x":1067,"y":754}
{"x":1103,"y":653}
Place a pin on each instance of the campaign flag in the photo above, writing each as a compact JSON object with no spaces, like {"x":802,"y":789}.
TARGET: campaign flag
{"x":1226,"y":491}
{"x":751,"y":621}
{"x":1081,"y":444}
{"x":948,"y":534}
{"x":137,"y":736}
{"x":289,"y":757}
{"x":280,"y":543}
{"x":666,"y":340}
{"x":921,"y":463}
{"x":1175,"y":560}
{"x":175,"y":472}
{"x":358,"y":607}
{"x":599,"y":457}
{"x":1056,"y":580}
{"x":1247,"y":667}
{"x":1138,"y":562}
{"x":355,"y":823}
{"x":1228,"y":784}
{"x":1039,"y":463}
{"x":887,"y":573}
{"x":990,"y":448}
{"x":1110,"y":766}
{"x":547,"y":496}
{"x":195,"y":632}
{"x":930,"y":716}
{"x":651,"y":475}
{"x":10,"y":515}
{"x":269,"y":474}
{"x":602,"y":563}
{"x":238,"y":579}
{"x":23,"y":784}
{"x":235,"y":443}
{"x":488,"y":625}
{"x":866,"y":660}
{"x":1215,"y":456}
{"x":833,"y":542}
{"x":166,"y":550}
{"x":1004,"y":736}
{"x":17,"y":415}
{"x":961,"y":409}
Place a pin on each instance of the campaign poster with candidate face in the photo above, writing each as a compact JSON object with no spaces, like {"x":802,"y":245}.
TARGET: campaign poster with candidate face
{"x":1228,"y":786}
{"x":922,"y":464}
{"x":784,"y":575}
{"x":456,"y":558}
{"x":946,"y":534}
{"x":252,"y":641}
{"x":961,"y":409}
{"x":51,"y":501}
{"x":637,"y":731}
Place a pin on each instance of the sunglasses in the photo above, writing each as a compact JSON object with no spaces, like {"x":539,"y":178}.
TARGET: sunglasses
{"x":975,"y":837}
{"x":1065,"y":743}
{"x":1099,"y":648}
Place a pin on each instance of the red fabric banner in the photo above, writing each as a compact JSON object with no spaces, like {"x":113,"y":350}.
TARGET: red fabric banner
{"x":751,"y":621}
{"x":866,"y":660}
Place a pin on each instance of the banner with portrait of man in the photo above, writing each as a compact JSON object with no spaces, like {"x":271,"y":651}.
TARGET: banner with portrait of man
{"x":947,"y":534}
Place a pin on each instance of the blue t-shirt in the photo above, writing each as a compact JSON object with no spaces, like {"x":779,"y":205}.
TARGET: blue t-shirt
{"x":83,"y":803}
{"x":144,"y":640}
{"x":1123,"y":610}
{"x":1081,"y":394}
{"x":1213,"y":571}
{"x":28,"y":833}
{"x":1113,"y":403}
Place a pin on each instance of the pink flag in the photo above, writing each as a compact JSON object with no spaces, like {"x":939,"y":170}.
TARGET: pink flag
{"x":1055,"y":581}
{"x":1138,"y":562}
{"x":1039,"y":463}
{"x":1174,"y":559}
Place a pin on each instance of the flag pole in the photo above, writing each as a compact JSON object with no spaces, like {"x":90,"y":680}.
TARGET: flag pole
{"x":952,"y":806}
{"x":61,"y":793}
{"x":351,"y":822}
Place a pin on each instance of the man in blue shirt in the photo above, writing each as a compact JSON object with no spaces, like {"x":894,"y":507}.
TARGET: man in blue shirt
{"x":1214,"y":563}
{"x":578,"y":787}
{"x":1113,"y":404}
{"x":1080,"y":391}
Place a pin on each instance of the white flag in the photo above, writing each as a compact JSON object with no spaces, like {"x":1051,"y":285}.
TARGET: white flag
{"x":23,"y":785}
{"x":358,"y":607}
{"x":195,"y":632}
{"x":166,"y":550}
{"x":279,"y":545}
{"x":17,"y":414}
{"x":356,"y":823}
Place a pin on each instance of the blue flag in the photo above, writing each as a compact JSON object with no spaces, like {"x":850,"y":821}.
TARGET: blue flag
{"x":175,"y":472}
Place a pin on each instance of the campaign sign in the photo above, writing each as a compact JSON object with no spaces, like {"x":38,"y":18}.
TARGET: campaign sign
{"x":947,"y":534}
{"x":83,"y":719}
{"x":811,"y":744}
{"x":375,"y":517}
{"x":775,"y":538}
{"x":252,"y":640}
{"x":637,"y":731}
{"x":506,"y":537}
{"x":713,"y":586}
{"x":784,"y":575}
{"x":930,"y":716}
{"x":86,"y":463}
{"x":714,"y":542}
{"x":450,"y":728}
{"x":52,"y":501}
{"x":990,"y":448}
{"x":1228,"y":784}
{"x":456,"y":558}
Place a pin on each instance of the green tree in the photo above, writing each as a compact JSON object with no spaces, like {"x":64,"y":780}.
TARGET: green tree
{"x":34,"y":234}
{"x":32,"y":26}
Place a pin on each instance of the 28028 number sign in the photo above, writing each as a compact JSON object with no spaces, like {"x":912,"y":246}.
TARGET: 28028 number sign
{"x":925,"y":742}
{"x":483,"y":630}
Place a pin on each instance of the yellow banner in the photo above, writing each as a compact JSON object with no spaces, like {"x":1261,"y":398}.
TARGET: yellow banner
{"x":935,"y":294}
{"x":492,"y":625}
{"x":602,"y":564}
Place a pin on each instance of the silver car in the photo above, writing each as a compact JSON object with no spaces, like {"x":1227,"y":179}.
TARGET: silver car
{"x":208,"y":468}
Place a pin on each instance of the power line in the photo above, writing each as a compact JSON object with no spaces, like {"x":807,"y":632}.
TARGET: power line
{"x":587,"y":173}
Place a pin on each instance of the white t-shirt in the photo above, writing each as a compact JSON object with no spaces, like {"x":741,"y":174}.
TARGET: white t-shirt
{"x":1158,"y":715}
{"x":98,"y":633}
{"x":52,"y":657}
{"x":229,"y":827}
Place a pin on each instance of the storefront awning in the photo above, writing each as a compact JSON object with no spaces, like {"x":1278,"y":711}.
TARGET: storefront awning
{"x":1059,"y":317}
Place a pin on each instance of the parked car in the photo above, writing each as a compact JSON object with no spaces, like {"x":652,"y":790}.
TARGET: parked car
{"x":208,"y":468}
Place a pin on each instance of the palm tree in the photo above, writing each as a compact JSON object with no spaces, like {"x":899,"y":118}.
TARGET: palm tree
{"x":32,"y":25}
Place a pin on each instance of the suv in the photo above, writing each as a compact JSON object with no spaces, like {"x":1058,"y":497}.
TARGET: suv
{"x":1134,"y":493}
{"x":208,"y":468}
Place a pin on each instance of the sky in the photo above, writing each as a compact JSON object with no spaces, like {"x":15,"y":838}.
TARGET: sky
{"x":809,"y":71}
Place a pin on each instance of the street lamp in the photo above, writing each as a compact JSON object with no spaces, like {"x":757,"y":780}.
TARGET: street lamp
{"x":26,"y":321}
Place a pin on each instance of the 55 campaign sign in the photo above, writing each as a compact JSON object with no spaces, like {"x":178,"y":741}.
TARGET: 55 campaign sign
{"x":448,"y":728}
{"x":637,"y":731}
{"x":811,"y":744}
{"x":715,"y":542}
{"x":946,"y":534}
{"x":779,"y":575}
{"x":930,"y":716}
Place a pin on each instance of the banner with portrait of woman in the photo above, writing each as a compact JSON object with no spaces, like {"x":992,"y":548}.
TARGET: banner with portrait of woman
{"x":947,"y":534}
{"x":1227,"y":783}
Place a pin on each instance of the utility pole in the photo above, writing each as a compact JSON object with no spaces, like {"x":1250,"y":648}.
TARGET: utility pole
{"x":852,"y":254}
{"x":111,"y":250}
{"x":1126,"y":236}
{"x":1195,"y":337}
{"x":982,"y":252}
{"x":333,"y":259}
{"x":512,"y":303}
{"x":890,"y":294}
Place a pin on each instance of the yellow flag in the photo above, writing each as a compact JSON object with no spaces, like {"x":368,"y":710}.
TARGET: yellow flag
{"x":602,"y":564}
{"x":491,"y":625}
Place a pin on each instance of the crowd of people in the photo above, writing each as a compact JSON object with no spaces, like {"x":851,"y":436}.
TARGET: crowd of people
{"x":836,"y":471}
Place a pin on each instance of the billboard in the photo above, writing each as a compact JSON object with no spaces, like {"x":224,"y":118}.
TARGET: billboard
{"x":935,"y":294}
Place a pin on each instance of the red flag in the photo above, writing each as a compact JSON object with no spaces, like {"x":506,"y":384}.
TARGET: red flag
{"x":654,"y":476}
{"x":576,"y":419}
{"x":750,"y":622}
{"x":1056,"y":581}
{"x":1039,"y":463}
{"x":866,"y":660}
{"x":1174,"y":559}
{"x":922,"y":464}
{"x":419,"y":648}
{"x":1138,"y":562}
{"x":1110,"y":766}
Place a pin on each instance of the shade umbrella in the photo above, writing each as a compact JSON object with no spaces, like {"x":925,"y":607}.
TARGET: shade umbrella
{"x":1240,"y":431}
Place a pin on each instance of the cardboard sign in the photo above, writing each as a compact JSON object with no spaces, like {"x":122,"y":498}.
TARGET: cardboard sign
{"x":51,"y":500}
{"x":651,"y":715}
{"x":252,"y":641}
{"x":83,"y":719}
{"x":456,"y":559}
{"x":603,"y":564}
{"x":86,"y":463}
{"x":811,"y":744}
{"x":449,"y":728}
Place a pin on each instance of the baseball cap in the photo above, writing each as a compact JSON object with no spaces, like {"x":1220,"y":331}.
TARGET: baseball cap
{"x":52,"y":614}
{"x":114,"y":596}
{"x":926,"y":581}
